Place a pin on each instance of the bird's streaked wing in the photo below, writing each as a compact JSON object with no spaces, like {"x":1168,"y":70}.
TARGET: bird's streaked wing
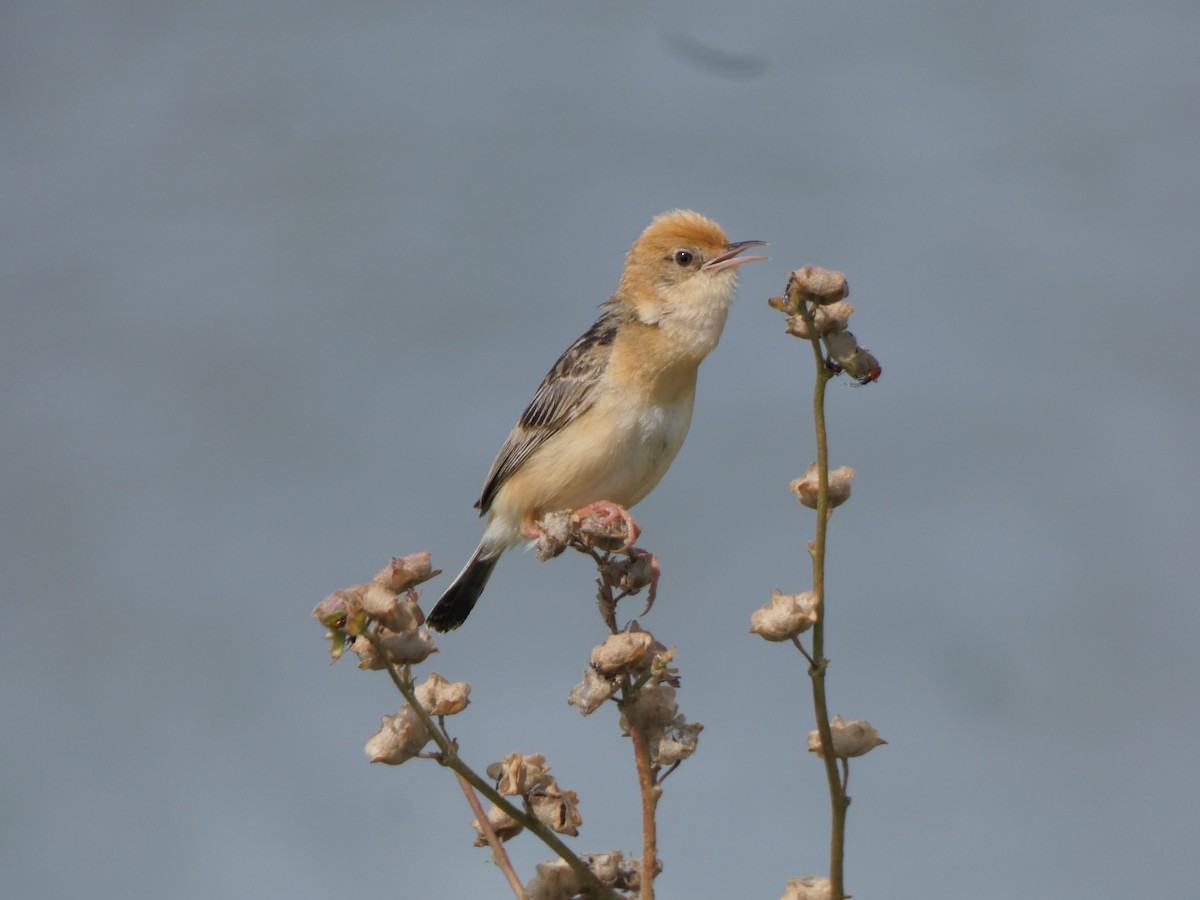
{"x":567,"y":391}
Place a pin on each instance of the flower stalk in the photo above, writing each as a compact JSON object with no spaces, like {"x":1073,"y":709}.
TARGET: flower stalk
{"x":381,"y":622}
{"x":814,"y":302}
{"x":449,"y":757}
{"x":838,"y":800}
{"x":650,"y":793}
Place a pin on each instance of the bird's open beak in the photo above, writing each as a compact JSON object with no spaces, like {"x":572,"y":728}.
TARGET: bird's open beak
{"x":730,"y":258}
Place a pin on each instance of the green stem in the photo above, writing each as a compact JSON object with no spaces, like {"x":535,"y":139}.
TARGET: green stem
{"x":450,"y":759}
{"x":816,"y":671}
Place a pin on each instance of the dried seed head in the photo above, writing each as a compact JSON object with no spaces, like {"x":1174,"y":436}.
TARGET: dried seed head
{"x":630,"y":874}
{"x":365,"y":651}
{"x":503,"y":825}
{"x":343,"y":615}
{"x":405,"y":572}
{"x":554,"y":535}
{"x":675,"y":742}
{"x":409,"y":647}
{"x":819,"y":286}
{"x":627,"y":651}
{"x":841,"y":346}
{"x":807,"y":487}
{"x":399,"y":738}
{"x":606,"y":866}
{"x":629,"y":573}
{"x":517,"y":775}
{"x":440,"y":697}
{"x":849,"y":739}
{"x":671,"y":738}
{"x":334,"y":610}
{"x":828,"y":320}
{"x":863,"y":366}
{"x":654,"y":707}
{"x":602,"y":530}
{"x":555,"y":880}
{"x":405,"y":648}
{"x":592,"y":691}
{"x":382,"y":604}
{"x":379,"y":602}
{"x":809,"y":888}
{"x":858,"y":362}
{"x":557,"y":809}
{"x":785,"y":616}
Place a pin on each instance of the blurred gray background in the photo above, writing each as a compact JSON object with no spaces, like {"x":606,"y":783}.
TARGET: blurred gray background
{"x":279,"y":277}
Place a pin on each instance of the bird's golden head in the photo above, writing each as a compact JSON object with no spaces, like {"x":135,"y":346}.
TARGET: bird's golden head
{"x":676,"y":247}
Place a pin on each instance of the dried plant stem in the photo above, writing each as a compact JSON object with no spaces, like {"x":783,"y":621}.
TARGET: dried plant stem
{"x":650,"y":794}
{"x":449,"y":758}
{"x":489,"y":833}
{"x":816,"y":671}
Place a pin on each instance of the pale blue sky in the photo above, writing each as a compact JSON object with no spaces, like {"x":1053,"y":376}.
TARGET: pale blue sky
{"x":278,"y":278}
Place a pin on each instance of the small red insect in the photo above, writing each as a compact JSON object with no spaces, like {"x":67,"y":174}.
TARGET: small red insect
{"x":872,"y":375}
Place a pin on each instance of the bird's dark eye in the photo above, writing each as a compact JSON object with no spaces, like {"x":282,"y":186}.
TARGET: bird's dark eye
{"x":683,"y":257}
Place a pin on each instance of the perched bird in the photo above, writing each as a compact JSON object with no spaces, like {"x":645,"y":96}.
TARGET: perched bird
{"x":609,"y":417}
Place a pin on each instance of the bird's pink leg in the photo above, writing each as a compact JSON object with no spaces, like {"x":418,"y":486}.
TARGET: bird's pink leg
{"x":609,"y":512}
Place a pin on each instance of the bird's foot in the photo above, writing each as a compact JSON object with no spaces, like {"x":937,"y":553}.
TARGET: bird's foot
{"x":605,"y":513}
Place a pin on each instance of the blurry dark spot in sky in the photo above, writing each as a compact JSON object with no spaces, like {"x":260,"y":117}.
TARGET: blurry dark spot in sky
{"x":714,"y":60}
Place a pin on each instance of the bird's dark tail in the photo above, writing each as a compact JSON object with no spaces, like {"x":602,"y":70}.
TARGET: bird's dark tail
{"x":458,"y":601}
